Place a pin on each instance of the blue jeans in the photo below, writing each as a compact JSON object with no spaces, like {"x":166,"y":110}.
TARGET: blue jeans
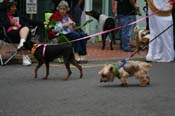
{"x":125,"y":32}
{"x":79,"y":46}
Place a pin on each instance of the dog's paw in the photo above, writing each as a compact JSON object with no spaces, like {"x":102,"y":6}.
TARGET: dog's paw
{"x":144,"y":83}
{"x":66,"y":78}
{"x":81,"y":76}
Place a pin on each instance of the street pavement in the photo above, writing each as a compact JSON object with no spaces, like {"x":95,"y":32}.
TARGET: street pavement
{"x":22,"y":95}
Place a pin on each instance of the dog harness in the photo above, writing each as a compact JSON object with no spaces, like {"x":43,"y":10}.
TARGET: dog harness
{"x":116,"y":70}
{"x":117,"y":67}
{"x":35,"y":46}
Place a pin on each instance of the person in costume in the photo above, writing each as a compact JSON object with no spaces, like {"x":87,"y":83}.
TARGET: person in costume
{"x":160,"y":49}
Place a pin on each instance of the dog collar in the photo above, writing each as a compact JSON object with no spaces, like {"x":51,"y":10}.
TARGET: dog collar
{"x":117,"y":67}
{"x":35,"y":46}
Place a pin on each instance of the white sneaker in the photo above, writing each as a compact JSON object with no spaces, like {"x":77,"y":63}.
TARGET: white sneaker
{"x":20,"y":46}
{"x":26,"y":60}
{"x":21,"y":43}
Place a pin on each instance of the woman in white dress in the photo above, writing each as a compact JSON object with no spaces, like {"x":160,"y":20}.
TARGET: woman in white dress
{"x":160,"y":49}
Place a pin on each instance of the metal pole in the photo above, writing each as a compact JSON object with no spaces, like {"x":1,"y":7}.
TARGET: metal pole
{"x":31,"y":16}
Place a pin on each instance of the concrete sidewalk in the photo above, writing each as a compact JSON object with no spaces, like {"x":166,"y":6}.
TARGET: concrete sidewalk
{"x":95,"y":54}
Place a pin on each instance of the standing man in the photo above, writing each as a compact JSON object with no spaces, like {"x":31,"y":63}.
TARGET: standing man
{"x":126,"y":11}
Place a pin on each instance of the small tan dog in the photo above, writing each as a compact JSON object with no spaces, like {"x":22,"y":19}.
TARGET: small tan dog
{"x":138,"y":69}
{"x":142,"y":38}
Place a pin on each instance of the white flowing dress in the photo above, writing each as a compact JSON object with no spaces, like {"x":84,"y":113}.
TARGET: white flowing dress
{"x":161,"y":49}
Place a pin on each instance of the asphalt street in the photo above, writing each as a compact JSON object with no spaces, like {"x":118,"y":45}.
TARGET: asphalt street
{"x":22,"y":95}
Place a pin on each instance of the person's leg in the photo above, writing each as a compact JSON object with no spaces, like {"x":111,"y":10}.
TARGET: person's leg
{"x":15,"y":38}
{"x":24,"y":35}
{"x":24,"y":32}
{"x":83,"y":43}
{"x":131,"y":27}
{"x":124,"y":38}
{"x":83,"y":46}
{"x":83,"y":55}
{"x":76,"y":44}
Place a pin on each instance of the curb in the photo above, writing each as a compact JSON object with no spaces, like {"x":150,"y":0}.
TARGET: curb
{"x":18,"y":60}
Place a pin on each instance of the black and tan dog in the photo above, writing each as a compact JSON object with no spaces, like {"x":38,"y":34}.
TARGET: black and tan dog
{"x":45,"y":53}
{"x":106,"y":23}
